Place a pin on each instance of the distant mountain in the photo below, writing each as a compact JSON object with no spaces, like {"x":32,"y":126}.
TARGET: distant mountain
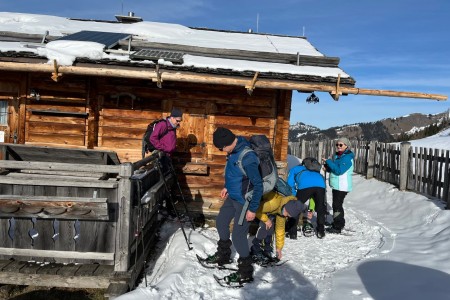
{"x":413,"y":126}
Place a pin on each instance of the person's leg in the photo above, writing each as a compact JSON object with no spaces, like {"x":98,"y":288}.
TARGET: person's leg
{"x":338,"y":209}
{"x":239,"y":237}
{"x":268,"y":241}
{"x":223,"y":220}
{"x":319,"y":196}
{"x":257,"y":241}
{"x":291,"y":227}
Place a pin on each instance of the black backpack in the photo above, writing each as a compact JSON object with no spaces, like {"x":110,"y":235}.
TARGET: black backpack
{"x":147,"y":146}
{"x":260,"y":144}
{"x":312,"y":164}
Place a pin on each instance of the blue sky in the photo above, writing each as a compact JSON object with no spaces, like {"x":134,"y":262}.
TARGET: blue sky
{"x":401,"y":45}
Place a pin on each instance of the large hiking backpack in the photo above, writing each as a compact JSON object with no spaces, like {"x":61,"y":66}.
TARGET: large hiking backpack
{"x":260,"y":144}
{"x":147,"y":146}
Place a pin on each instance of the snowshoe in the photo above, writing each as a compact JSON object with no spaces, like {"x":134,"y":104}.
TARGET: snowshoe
{"x":308,"y":229}
{"x":237,"y":278}
{"x":233,"y":280}
{"x":260,"y":259}
{"x":212,"y":262}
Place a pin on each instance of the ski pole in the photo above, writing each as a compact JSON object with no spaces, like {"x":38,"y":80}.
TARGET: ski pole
{"x":181,"y":193}
{"x":159,"y":166}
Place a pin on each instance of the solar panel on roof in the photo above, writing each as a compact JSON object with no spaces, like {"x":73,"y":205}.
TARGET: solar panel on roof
{"x":109,"y":39}
{"x":150,"y":54}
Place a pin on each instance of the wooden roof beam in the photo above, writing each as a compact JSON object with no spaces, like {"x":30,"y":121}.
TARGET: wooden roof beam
{"x":214,"y":79}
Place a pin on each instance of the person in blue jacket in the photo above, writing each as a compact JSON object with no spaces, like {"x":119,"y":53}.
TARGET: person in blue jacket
{"x":236,"y":186}
{"x":305,"y":185}
{"x":340,"y":167}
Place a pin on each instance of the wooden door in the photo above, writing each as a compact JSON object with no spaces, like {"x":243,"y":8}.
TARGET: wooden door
{"x":191,"y":135}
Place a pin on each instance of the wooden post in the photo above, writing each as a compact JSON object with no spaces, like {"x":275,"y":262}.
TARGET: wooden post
{"x":371,"y":160}
{"x":404,"y":151}
{"x":446,"y":179}
{"x":303,"y":153}
{"x":320,"y":152}
{"x":123,"y":233}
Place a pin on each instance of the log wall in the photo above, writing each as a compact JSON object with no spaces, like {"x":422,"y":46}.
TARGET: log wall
{"x":113,"y":113}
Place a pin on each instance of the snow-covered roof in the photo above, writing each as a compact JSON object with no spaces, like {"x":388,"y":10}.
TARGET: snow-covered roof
{"x":204,"y":51}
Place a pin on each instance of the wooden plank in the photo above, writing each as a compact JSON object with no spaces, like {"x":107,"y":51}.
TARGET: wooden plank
{"x":97,"y":184}
{"x":49,"y":268}
{"x":68,"y":270}
{"x":94,"y":282}
{"x":4,"y":263}
{"x":14,"y":266}
{"x":33,"y":165}
{"x":57,"y":254}
{"x":116,"y":289}
{"x":103,"y":270}
{"x":26,"y":198}
{"x":30,"y":268}
{"x":121,"y":262}
{"x":91,"y":176}
{"x":87,"y":270}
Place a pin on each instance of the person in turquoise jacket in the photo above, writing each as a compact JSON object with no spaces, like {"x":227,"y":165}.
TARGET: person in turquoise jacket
{"x":340,"y":167}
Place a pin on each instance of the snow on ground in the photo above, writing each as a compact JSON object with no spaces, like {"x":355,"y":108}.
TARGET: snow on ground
{"x":396,"y":246}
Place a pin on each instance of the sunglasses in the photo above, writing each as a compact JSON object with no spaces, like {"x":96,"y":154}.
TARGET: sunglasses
{"x":178,"y":121}
{"x":340,"y":145}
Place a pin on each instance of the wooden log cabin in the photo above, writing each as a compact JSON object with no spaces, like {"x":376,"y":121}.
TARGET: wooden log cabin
{"x":243,"y":81}
{"x":75,"y":99}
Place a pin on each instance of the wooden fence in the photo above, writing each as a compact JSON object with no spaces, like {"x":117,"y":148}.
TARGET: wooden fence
{"x":77,"y":217}
{"x":419,"y":169}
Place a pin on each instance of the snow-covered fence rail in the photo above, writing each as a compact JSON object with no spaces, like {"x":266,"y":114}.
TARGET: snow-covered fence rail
{"x":424,"y":170}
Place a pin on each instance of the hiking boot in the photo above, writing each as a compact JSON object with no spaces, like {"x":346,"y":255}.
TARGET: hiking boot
{"x":237,"y":278}
{"x":333,"y":230}
{"x":292,"y":235}
{"x":260,"y":259}
{"x":320,"y":234}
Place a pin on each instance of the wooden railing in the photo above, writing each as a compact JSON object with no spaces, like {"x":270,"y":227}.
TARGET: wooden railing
{"x":419,"y":169}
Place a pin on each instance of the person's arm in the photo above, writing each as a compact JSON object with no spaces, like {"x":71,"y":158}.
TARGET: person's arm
{"x":155,"y":137}
{"x":279,"y":234}
{"x":341,"y":165}
{"x":250,"y":163}
{"x":291,"y":179}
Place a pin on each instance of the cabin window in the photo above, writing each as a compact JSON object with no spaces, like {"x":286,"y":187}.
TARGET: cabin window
{"x":3,"y":112}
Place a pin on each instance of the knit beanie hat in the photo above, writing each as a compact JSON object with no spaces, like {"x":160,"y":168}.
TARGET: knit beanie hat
{"x":294,"y":207}
{"x":345,"y":141}
{"x":223,"y":137}
{"x":176,"y":113}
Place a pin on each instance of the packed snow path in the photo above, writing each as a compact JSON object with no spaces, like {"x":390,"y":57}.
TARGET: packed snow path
{"x":393,"y":243}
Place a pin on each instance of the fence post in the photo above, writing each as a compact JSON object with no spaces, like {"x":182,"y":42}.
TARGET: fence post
{"x":370,"y":160}
{"x":303,"y":153}
{"x":404,"y":158}
{"x":320,"y":151}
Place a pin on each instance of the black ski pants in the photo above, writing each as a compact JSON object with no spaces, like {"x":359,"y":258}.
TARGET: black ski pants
{"x":338,"y":209}
{"x":318,"y":194}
